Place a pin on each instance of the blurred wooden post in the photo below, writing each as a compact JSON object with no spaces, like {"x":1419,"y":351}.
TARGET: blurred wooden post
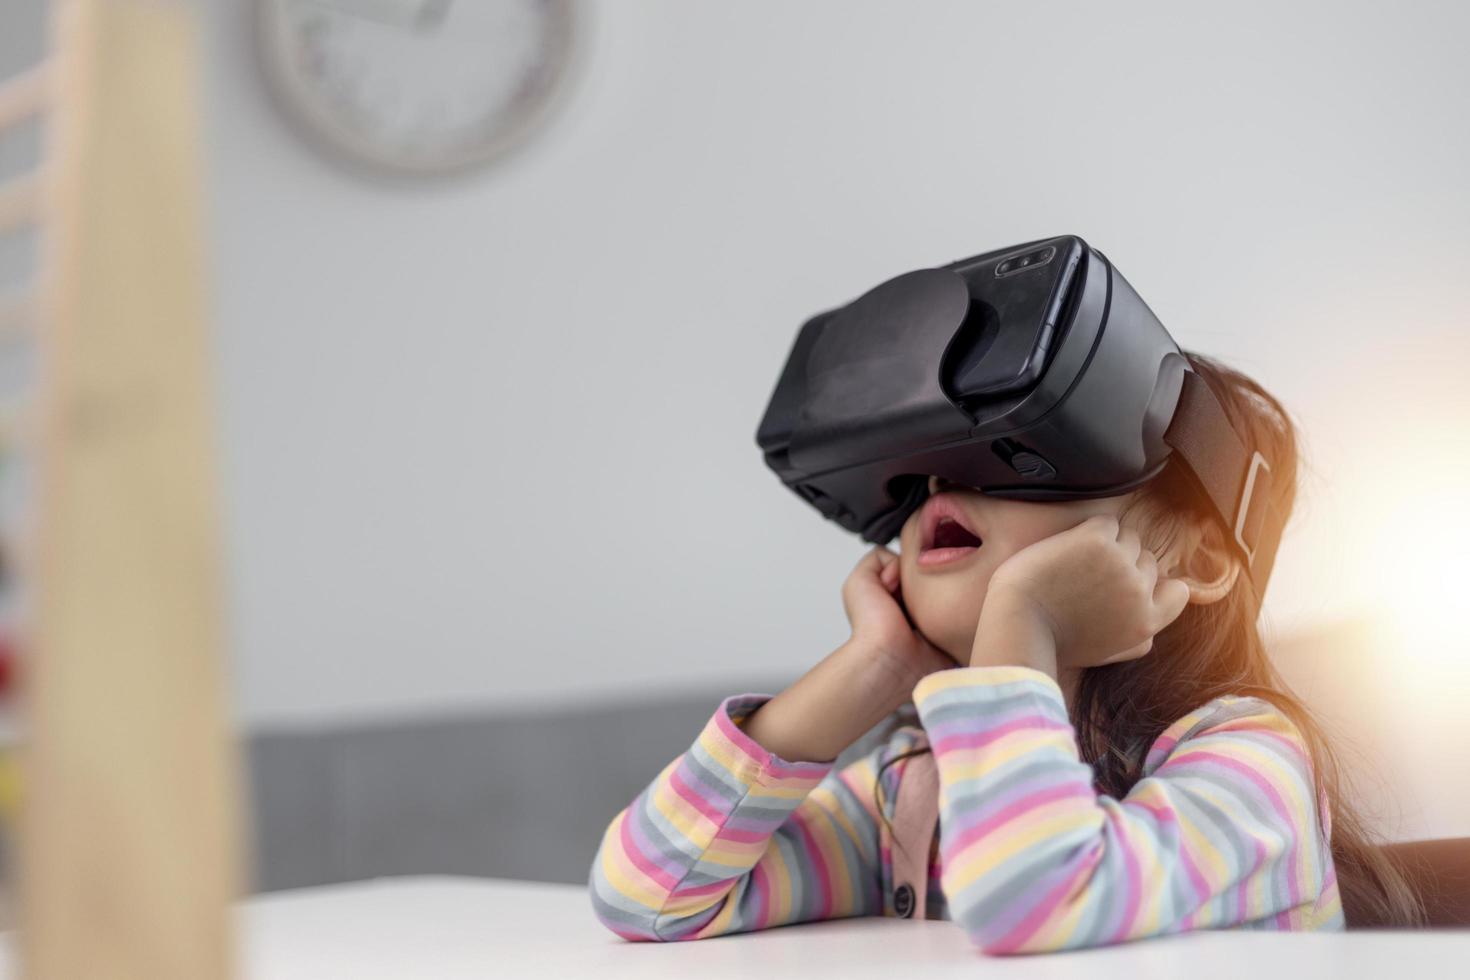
{"x":129,"y":836}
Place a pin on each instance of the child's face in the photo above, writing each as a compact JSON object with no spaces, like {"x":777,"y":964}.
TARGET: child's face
{"x":944,"y":600}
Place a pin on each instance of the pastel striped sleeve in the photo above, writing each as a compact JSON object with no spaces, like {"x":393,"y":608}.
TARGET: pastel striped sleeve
{"x":730,"y":838}
{"x":1221,"y":830}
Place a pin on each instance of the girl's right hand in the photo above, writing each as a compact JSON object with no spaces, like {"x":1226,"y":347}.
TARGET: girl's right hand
{"x":873,"y":600}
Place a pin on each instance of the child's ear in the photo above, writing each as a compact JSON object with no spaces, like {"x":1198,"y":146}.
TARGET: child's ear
{"x":1200,"y":556}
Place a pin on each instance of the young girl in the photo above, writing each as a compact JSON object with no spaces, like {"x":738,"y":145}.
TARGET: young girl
{"x":1116,"y":756}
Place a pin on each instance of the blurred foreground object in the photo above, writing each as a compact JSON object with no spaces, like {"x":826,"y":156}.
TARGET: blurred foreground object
{"x":129,"y":853}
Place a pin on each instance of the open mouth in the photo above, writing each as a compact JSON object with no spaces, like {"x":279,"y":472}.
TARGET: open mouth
{"x":944,"y":535}
{"x":952,"y":534}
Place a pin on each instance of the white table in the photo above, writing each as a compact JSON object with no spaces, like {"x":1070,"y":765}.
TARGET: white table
{"x":443,"y":928}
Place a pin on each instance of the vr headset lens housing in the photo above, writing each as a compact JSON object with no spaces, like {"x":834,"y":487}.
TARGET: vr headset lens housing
{"x":1033,"y":372}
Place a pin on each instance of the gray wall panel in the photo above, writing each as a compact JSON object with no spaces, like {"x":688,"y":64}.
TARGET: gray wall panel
{"x":518,"y":796}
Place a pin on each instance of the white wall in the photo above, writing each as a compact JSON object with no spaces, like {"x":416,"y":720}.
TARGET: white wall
{"x":492,"y":442}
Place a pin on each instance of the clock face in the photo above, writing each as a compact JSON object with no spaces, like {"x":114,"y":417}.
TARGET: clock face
{"x":417,"y":86}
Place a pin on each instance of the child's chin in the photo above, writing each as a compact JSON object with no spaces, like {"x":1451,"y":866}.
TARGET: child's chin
{"x":937,"y":621}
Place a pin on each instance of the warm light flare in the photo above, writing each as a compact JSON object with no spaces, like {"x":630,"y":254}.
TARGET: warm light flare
{"x":1422,"y":675}
{"x":1424,"y":543}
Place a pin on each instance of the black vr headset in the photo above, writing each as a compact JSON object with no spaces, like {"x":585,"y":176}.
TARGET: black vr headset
{"x":1033,"y":372}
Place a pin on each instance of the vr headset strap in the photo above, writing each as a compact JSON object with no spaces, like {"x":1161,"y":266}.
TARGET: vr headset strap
{"x":1235,"y":477}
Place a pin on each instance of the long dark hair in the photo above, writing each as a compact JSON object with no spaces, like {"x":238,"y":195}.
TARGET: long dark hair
{"x":1215,"y":649}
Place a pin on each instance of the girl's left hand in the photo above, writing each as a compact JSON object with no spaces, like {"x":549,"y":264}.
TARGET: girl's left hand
{"x":1088,"y":596}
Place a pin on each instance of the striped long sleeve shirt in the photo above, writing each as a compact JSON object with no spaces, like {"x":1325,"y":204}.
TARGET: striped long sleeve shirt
{"x":1222,"y":830}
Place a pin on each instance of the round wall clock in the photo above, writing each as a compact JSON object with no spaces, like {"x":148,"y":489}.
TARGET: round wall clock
{"x":418,"y":86}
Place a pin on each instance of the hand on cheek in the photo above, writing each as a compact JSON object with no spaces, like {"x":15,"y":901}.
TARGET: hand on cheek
{"x":1088,"y":596}
{"x":872,"y":597}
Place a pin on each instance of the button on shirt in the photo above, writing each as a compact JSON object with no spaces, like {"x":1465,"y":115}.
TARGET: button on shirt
{"x":903,"y":901}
